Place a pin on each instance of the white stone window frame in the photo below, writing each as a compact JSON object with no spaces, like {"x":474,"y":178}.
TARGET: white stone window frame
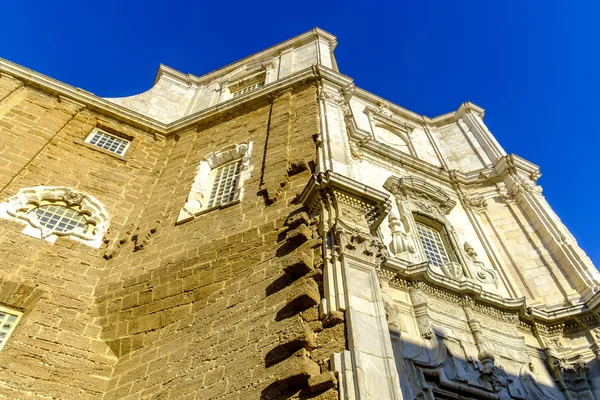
{"x":10,"y":311}
{"x":219,"y":183}
{"x":382,"y":117}
{"x":197,"y":200}
{"x":248,"y":88}
{"x":262,"y":71}
{"x":17,"y":208}
{"x":96,"y":131}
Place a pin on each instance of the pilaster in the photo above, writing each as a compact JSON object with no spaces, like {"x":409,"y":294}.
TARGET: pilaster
{"x":350,"y":213}
{"x":523,"y":191}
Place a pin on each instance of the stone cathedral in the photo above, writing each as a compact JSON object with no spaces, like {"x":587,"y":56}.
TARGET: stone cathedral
{"x":271,"y":231}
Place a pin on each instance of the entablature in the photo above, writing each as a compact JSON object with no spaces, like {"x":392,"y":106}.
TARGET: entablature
{"x":400,"y":275}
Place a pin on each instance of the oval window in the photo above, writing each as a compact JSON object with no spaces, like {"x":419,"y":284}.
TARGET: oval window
{"x":59,"y":218}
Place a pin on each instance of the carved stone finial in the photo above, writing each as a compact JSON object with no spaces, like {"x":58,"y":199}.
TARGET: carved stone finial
{"x":400,"y":242}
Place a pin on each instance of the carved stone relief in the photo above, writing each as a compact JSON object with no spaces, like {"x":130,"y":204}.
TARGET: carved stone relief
{"x":198,"y":195}
{"x":471,"y":350}
{"x":18,"y":208}
{"x":483,"y":274}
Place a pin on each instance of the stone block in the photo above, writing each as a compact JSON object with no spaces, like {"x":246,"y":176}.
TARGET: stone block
{"x":304,"y":294}
{"x":296,"y":369}
{"x":295,"y":220}
{"x":296,"y":334}
{"x":299,"y":235}
{"x":298,"y":263}
{"x":322,"y":382}
{"x":333,"y":318}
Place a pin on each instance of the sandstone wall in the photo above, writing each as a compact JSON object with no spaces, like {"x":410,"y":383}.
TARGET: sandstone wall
{"x":222,"y":306}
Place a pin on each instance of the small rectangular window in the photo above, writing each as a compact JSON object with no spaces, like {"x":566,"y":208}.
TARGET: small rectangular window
{"x":224,"y":184}
{"x":8,"y":322}
{"x":108,"y":142}
{"x":247,"y":89}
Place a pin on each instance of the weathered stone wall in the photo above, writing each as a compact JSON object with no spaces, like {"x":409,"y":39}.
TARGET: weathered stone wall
{"x":222,"y":306}
{"x":206,"y":308}
{"x":56,"y":349}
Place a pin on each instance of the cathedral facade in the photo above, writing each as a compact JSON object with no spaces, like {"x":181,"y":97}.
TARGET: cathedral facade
{"x":271,"y":231}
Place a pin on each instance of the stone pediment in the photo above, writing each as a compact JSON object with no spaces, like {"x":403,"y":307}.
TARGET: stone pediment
{"x":411,"y":186}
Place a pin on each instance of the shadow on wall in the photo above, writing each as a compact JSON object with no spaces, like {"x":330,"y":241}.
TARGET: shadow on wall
{"x":440,"y":367}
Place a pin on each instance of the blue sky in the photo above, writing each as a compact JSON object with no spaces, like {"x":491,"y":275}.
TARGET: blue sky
{"x":533,"y":65}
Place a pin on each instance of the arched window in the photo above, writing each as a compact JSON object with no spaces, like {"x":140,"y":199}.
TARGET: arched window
{"x":434,"y":240}
{"x":219,"y":180}
{"x":50,"y":211}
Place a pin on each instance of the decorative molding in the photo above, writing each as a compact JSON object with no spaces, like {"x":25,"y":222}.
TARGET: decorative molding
{"x":197,"y":198}
{"x":424,"y":194}
{"x":475,"y":203}
{"x":18,"y":207}
{"x":401,"y":241}
{"x":332,"y":189}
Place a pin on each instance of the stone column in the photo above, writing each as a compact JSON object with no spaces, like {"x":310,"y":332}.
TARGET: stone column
{"x":350,"y":213}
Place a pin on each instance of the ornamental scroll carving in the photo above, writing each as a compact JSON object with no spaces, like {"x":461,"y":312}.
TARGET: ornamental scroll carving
{"x":426,"y":196}
{"x":351,"y":213}
{"x":482,"y":274}
{"x":360,"y":245}
{"x":461,"y":355}
{"x":476,"y":203}
{"x":519,"y":186}
{"x":18,"y":207}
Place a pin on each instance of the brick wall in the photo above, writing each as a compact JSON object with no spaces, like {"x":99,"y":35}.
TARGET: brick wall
{"x":222,"y":306}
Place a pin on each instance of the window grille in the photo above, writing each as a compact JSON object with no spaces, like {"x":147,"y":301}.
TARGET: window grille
{"x":108,"y":142}
{"x":8,"y":321}
{"x":432,"y":245}
{"x":59,"y":218}
{"x":224,"y":184}
{"x":247,"y":89}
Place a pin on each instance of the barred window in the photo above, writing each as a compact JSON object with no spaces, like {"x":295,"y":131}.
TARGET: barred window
{"x":247,"y":89}
{"x":225,"y":183}
{"x":108,"y":142}
{"x":59,"y":218}
{"x":433,"y":245}
{"x":8,"y":321}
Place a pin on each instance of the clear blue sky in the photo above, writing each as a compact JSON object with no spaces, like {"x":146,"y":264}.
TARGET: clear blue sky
{"x":533,"y":65}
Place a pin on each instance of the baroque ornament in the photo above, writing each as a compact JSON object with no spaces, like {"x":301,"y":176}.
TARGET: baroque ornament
{"x":401,"y":243}
{"x":365,"y":247}
{"x":477,"y":203}
{"x":453,"y":270}
{"x":198,"y":195}
{"x":18,"y":207}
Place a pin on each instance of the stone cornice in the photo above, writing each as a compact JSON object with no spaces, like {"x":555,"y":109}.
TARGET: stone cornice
{"x":419,"y":119}
{"x":69,"y":93}
{"x":398,"y":271}
{"x":84,"y":98}
{"x":330,"y":182}
{"x":481,"y":176}
{"x":512,"y":162}
{"x":419,"y":186}
{"x":88,"y":99}
{"x":273,"y":51}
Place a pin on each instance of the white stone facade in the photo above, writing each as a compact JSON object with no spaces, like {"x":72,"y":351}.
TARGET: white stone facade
{"x":512,"y":313}
{"x":176,"y":95}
